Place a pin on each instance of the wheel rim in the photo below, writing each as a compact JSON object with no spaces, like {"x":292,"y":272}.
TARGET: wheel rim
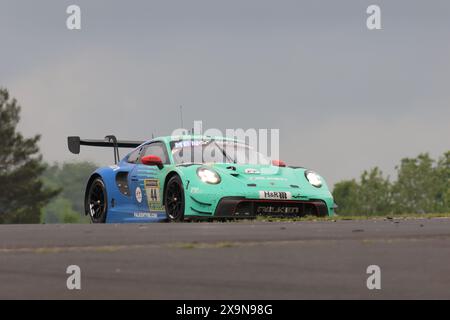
{"x":96,"y":201}
{"x":174,"y":201}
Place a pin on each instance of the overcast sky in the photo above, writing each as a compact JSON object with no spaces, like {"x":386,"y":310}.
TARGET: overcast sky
{"x":344,"y":98}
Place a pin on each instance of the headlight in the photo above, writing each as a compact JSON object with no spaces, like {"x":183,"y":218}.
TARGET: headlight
{"x":208,"y":175}
{"x":313,"y":178}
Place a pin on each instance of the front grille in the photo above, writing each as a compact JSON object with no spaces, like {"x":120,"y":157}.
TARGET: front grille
{"x":240,"y":207}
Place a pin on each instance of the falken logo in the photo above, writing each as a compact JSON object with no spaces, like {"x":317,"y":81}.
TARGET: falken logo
{"x":281,"y":210}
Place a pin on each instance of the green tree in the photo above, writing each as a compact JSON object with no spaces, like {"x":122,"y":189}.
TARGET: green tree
{"x":60,"y":210}
{"x":443,"y":173}
{"x":369,"y":196}
{"x":22,"y":194}
{"x":418,"y":188}
{"x":374,"y":194}
{"x":71,"y":178}
{"x":422,"y":186}
{"x":345,"y":194}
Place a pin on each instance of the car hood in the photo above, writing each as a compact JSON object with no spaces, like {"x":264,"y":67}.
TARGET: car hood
{"x":263,"y":176}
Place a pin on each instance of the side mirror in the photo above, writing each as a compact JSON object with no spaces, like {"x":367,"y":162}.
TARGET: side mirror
{"x":279,"y":163}
{"x":152,"y":160}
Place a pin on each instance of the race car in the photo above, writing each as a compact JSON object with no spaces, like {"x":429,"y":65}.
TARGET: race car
{"x":177,"y":178}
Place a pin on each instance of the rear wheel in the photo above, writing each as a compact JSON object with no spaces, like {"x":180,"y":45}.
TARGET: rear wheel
{"x":174,"y":199}
{"x":96,"y":204}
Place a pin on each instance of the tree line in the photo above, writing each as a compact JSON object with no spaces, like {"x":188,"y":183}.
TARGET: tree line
{"x":70,"y":178}
{"x":422,"y":185}
{"x":34,"y":192}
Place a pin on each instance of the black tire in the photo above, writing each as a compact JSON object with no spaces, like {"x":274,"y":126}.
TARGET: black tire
{"x":96,"y":202}
{"x":174,"y":199}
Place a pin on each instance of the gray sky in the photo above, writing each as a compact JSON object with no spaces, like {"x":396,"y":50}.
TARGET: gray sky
{"x":344,"y":98}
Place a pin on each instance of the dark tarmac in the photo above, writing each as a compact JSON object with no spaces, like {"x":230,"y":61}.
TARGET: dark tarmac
{"x":245,"y":260}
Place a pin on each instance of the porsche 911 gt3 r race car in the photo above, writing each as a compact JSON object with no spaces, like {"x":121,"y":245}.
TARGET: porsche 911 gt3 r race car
{"x":188,"y":177}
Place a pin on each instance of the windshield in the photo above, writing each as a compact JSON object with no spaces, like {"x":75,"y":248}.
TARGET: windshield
{"x":215,"y":151}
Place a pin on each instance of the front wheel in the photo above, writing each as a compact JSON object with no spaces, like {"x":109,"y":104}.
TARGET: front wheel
{"x":96,"y":204}
{"x":174,"y":199}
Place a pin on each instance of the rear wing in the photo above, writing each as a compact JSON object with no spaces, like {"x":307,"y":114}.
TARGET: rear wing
{"x":110,"y":141}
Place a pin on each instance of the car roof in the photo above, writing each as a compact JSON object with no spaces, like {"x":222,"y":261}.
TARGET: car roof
{"x":169,"y":139}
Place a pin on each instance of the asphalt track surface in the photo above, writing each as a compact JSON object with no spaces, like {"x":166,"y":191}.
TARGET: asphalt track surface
{"x":247,"y":260}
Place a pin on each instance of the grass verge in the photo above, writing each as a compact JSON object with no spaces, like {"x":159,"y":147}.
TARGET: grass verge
{"x":355,"y":217}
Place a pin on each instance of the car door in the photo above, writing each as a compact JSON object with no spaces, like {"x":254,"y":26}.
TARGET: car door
{"x":133,"y":181}
{"x":148,"y":181}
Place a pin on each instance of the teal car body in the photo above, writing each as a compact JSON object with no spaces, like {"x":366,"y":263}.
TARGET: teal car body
{"x":139,"y":187}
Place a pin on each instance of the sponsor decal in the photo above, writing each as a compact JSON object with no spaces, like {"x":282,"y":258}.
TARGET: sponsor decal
{"x":277,"y":210}
{"x":145,"y":215}
{"x":153,"y":192}
{"x":251,"y":171}
{"x":195,"y":190}
{"x":268,"y":178}
{"x":138,"y":194}
{"x":279,"y":195}
{"x":189,"y":143}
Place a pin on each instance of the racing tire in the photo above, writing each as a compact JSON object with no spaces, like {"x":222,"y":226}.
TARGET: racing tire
{"x":174,"y":199}
{"x":96,"y":203}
